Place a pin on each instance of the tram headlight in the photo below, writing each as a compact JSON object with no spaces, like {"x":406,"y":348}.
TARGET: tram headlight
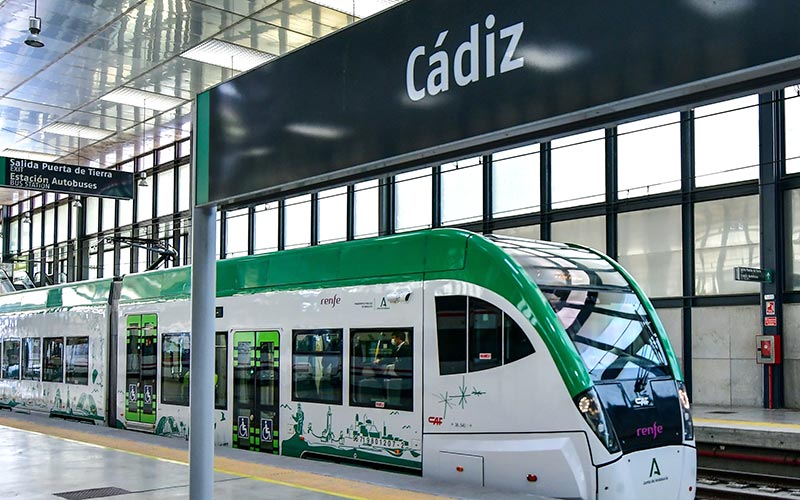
{"x":686,"y":413}
{"x":592,"y":410}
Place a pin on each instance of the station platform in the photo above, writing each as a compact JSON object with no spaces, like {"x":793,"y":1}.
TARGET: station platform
{"x":750,"y":427}
{"x":46,"y":458}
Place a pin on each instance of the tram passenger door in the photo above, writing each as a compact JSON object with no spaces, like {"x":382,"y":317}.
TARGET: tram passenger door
{"x":141,"y":360}
{"x":255,"y":390}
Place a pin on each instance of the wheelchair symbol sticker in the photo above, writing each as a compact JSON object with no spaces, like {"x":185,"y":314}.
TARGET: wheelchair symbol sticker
{"x":132,"y":392}
{"x":266,"y":429}
{"x":148,"y":394}
{"x":244,"y":430}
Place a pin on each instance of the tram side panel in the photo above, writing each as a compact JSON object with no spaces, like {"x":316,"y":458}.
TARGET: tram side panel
{"x":153,"y":371}
{"x":57,"y":362}
{"x":491,"y":419}
{"x":335,"y":400}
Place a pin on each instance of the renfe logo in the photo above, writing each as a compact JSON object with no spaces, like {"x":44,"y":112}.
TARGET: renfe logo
{"x":466,"y":61}
{"x":651,"y":430}
{"x":331,"y":301}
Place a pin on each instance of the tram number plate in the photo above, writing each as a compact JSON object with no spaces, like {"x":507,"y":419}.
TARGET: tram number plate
{"x":266,"y":429}
{"x":243,"y":428}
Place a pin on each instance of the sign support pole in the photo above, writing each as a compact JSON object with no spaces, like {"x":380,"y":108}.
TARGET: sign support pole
{"x":771,"y":221}
{"x":201,"y":390}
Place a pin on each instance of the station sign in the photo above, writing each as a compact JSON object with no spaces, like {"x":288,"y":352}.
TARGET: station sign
{"x":752,"y":274}
{"x":62,"y":178}
{"x":427,"y":82}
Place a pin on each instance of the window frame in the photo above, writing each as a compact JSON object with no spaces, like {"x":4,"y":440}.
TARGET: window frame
{"x":318,"y":354}
{"x":26,"y":340}
{"x":67,"y":359}
{"x":184,"y":375}
{"x":406,"y":403}
{"x":469,"y":364}
{"x":45,"y":359}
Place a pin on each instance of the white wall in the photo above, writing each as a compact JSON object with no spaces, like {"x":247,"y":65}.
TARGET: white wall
{"x":791,"y":355}
{"x":724,"y":368}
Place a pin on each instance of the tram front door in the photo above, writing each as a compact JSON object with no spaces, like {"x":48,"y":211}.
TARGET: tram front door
{"x":140,"y":379}
{"x":255,"y":390}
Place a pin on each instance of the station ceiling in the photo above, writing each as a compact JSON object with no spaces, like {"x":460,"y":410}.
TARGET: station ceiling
{"x":116,"y":78}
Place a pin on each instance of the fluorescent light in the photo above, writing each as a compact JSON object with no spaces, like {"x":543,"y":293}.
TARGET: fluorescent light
{"x":227,"y":55}
{"x":29,"y":155}
{"x":357,"y":8}
{"x":142,"y":99}
{"x":79,"y":131}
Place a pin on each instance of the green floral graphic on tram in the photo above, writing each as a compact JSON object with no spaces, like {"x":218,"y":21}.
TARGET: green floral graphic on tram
{"x":363,"y":439}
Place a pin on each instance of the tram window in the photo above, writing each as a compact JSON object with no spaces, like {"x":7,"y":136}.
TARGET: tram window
{"x":494,"y":338}
{"x":517,"y":344}
{"x":451,"y":334}
{"x":382,"y":368}
{"x":10,"y":363}
{"x":53,"y":363}
{"x":317,"y":366}
{"x":221,"y":371}
{"x":32,"y":359}
{"x":485,"y":335}
{"x":175,"y":369}
{"x":76,"y":358}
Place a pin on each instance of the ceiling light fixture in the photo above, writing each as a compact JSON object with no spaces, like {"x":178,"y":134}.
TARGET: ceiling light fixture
{"x":142,"y":99}
{"x":72,"y":130}
{"x":35,"y":27}
{"x":26,"y":218}
{"x":143,"y":179}
{"x":228,"y":55}
{"x":76,"y":203}
{"x":357,"y":8}
{"x":29,"y":155}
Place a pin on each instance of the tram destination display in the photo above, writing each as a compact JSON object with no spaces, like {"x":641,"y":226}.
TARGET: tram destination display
{"x":62,"y":178}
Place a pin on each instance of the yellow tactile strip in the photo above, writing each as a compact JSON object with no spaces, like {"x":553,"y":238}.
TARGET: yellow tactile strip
{"x":746,"y":423}
{"x":344,"y":488}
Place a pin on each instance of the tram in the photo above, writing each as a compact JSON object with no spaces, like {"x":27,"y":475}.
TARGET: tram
{"x":523,"y":365}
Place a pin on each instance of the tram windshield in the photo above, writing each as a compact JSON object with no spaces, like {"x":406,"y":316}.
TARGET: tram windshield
{"x":600,"y":312}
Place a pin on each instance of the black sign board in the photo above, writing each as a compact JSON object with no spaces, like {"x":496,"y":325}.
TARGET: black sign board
{"x":752,"y":274}
{"x":61,"y":178}
{"x":431,"y":78}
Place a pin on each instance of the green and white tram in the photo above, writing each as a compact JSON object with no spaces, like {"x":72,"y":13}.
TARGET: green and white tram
{"x":522,"y":365}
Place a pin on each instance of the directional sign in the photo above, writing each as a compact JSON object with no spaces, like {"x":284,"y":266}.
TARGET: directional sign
{"x":62,"y":178}
{"x":752,"y":274}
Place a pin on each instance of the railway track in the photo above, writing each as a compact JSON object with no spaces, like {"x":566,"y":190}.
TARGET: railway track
{"x":721,"y":484}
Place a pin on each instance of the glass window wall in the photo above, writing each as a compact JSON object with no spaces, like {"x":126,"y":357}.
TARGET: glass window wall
{"x":578,"y":169}
{"x":792,"y":111}
{"x":462,"y":191}
{"x":236,"y":232}
{"x":726,"y":141}
{"x":650,"y":249}
{"x":649,"y":156}
{"x":413,"y":200}
{"x":297,"y":212}
{"x":515,"y":181}
{"x":366,"y":209}
{"x":726,"y":235}
{"x":590,"y":232}
{"x":332,"y":217}
{"x":266,"y":227}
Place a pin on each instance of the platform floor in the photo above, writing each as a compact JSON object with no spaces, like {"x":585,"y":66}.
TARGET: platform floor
{"x":755,"y":427}
{"x":45,"y":458}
